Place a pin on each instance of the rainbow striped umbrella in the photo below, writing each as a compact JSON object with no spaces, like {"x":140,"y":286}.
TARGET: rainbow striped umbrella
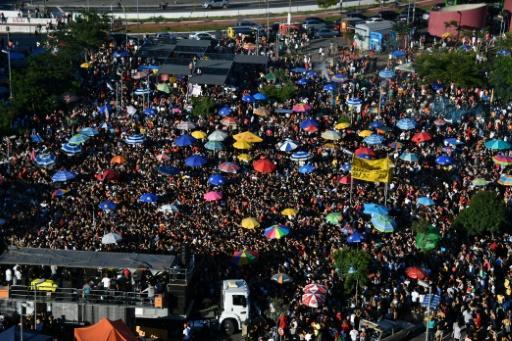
{"x":505,"y":180}
{"x":276,"y":231}
{"x":502,"y":160}
{"x":282,"y":278}
{"x":244,"y":257}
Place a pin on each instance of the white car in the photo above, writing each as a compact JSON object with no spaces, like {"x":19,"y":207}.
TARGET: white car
{"x":201,"y":36}
{"x":215,"y":4}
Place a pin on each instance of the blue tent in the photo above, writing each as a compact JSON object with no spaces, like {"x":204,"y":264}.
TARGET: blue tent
{"x":13,"y":334}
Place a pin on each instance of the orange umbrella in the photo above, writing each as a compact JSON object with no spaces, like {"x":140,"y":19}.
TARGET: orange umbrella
{"x":415,"y":273}
{"x":264,"y":166}
{"x":118,"y":160}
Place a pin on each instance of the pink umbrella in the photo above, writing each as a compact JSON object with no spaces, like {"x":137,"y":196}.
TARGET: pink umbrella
{"x":162,"y":157}
{"x":314,"y":288}
{"x":313,"y":300}
{"x":301,"y":107}
{"x":229,"y":167}
{"x":212,"y":196}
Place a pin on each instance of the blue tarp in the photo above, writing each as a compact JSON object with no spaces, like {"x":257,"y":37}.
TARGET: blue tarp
{"x":13,"y":334}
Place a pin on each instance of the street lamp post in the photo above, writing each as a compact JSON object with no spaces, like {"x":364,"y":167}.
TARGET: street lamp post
{"x":8,"y":53}
{"x":426,"y":285}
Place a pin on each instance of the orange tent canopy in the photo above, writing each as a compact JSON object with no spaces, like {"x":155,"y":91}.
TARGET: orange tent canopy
{"x":105,"y":330}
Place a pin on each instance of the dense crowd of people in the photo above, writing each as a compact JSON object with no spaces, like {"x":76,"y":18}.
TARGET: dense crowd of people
{"x":471,"y":276}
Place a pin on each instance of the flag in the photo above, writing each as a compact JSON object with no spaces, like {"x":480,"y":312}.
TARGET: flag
{"x":371,"y":170}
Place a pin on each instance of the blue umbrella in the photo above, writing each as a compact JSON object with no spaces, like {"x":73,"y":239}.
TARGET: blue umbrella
{"x":63,"y":176}
{"x":288,"y":146}
{"x":311,"y":73}
{"x":298,"y":69}
{"x":339,"y":78}
{"x":141,"y":91}
{"x":45,"y":160}
{"x":247,"y":99}
{"x":301,"y":156}
{"x":409,"y":157}
{"x":150,"y":112}
{"x":354,"y":238}
{"x":406,"y":124}
{"x":148,"y":198}
{"x":444,"y":160}
{"x":346,"y":167}
{"x":303,"y":81}
{"x":307,"y":168}
{"x":120,"y":54}
{"x":497,"y":144}
{"x":107,"y":205}
{"x":383,"y":223}
{"x":386,"y":73}
{"x":195,"y":161}
{"x":354,"y":101}
{"x":185,"y":140}
{"x":425,"y":201}
{"x":377,"y":125}
{"x":224,"y":111}
{"x":309,"y":122}
{"x":259,"y":97}
{"x":168,"y":170}
{"x":217,"y":180}
{"x":329,"y":87}
{"x":36,"y":138}
{"x":71,"y":149}
{"x":135,"y":139}
{"x":214,"y":145}
{"x":436,"y":86}
{"x":398,"y":54}
{"x":104,"y":108}
{"x":452,"y":141}
{"x":371,"y":209}
{"x":78,"y":139}
{"x":374,"y":139}
{"x":90,"y":132}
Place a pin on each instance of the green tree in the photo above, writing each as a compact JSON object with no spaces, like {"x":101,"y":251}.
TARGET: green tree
{"x":402,"y":31}
{"x":420,"y":226}
{"x":202,"y":106}
{"x":326,"y":3}
{"x":7,"y":114}
{"x":280,"y":92}
{"x":500,"y":76}
{"x":486,"y":213}
{"x":352,"y":265}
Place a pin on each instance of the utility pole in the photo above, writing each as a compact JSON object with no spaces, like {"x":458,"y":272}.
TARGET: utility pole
{"x":268,"y":22}
{"x":289,"y":12}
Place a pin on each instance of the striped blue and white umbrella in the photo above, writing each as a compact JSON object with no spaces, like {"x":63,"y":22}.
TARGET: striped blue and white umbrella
{"x":63,"y":176}
{"x":406,"y":124}
{"x":45,"y":160}
{"x":71,"y":149}
{"x":141,"y":92}
{"x":288,"y":146}
{"x":90,"y":132}
{"x":78,"y":139}
{"x":354,"y":101}
{"x":409,"y":157}
{"x":386,"y":73}
{"x":135,"y":139}
{"x":374,"y":139}
{"x":301,"y":156}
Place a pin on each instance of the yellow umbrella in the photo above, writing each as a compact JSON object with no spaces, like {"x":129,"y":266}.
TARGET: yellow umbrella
{"x":247,"y":136}
{"x":289,"y":212}
{"x":250,"y":223}
{"x":84,"y":65}
{"x":198,"y":134}
{"x":242,"y":144}
{"x":365,"y":133}
{"x":244,"y":157}
{"x":342,"y":125}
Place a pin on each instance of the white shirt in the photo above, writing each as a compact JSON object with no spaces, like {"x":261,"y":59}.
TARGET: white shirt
{"x":106,"y":282}
{"x":186,"y":333}
{"x":354,"y":334}
{"x":8,"y":275}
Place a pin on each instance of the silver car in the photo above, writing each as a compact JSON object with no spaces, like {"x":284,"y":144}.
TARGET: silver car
{"x":215,"y":4}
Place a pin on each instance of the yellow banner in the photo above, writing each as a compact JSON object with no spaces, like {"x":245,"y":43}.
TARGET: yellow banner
{"x":371,"y":170}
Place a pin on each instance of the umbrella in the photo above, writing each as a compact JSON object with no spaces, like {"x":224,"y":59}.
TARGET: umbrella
{"x":264,"y":166}
{"x":198,"y":134}
{"x":452,"y":141}
{"x":383,"y":223}
{"x":36,"y":138}
{"x":107,"y":205}
{"x":334,"y":218}
{"x":406,"y":124}
{"x":142,"y":92}
{"x":301,"y":107}
{"x":288,"y":146}
{"x":131,"y":110}
{"x":168,"y":209}
{"x":372,"y":209}
{"x":339,"y":78}
{"x":71,"y":149}
{"x":505,"y":180}
{"x":217,"y":180}
{"x":329,"y":87}
{"x":63,"y":176}
{"x":301,"y":156}
{"x":195,"y":161}
{"x":397,"y":54}
{"x":135,"y":139}
{"x":497,"y":145}
{"x":331,"y":135}
{"x":440,"y":122}
{"x":347,"y":166}
{"x":479,"y":182}
{"x":342,"y":125}
{"x":148,"y":198}
{"x":427,"y":241}
{"x":250,"y":223}
{"x":502,"y":160}
{"x":307,"y":169}
{"x":374,"y":139}
{"x":105,"y":108}
{"x":276,"y":231}
{"x":89,"y":131}
{"x":425,"y":201}
{"x":386,"y":74}
{"x":281,"y":278}
{"x":414,"y":272}
{"x":78,"y":139}
{"x":409,"y":157}
{"x":247,"y":136}
{"x":365,"y":133}
{"x":162,"y":157}
{"x":395,"y":145}
{"x":212,"y":196}
{"x":444,"y":160}
{"x":107,"y":175}
{"x":224,"y":111}
{"x":421,"y":137}
{"x":185,"y":125}
{"x":59,"y":192}
{"x":298,"y":69}
{"x":259,"y":97}
{"x":242,"y":144}
{"x":314,"y":288}
{"x":229,"y":167}
{"x":354,"y":101}
{"x":377,"y":125}
{"x":364,"y":153}
{"x":302,"y":81}
{"x":151,"y":112}
{"x":244,"y":157}
{"x":218,"y":136}
{"x":436,"y":86}
{"x":311,"y":73}
{"x":111,"y":238}
{"x":163,"y":87}
{"x":247,"y":99}
{"x":214,"y":146}
{"x":313,"y":300}
{"x":289,"y":212}
{"x":184,"y":140}
{"x":167,"y":170}
{"x":45,"y":160}
{"x":244,"y":257}
{"x":345,"y":180}
{"x":355,"y":238}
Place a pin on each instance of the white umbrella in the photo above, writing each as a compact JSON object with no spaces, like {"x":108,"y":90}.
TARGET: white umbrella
{"x":185,"y":125}
{"x":168,"y":209}
{"x":217,"y":135}
{"x":111,"y":238}
{"x":131,"y":110}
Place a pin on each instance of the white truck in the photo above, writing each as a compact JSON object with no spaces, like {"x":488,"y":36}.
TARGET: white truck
{"x":235,"y":305}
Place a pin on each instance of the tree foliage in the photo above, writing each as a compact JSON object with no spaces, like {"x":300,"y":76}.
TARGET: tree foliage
{"x":327,"y":3}
{"x":352,"y":265}
{"x":500,"y":77}
{"x":202,"y":106}
{"x":420,"y":226}
{"x":280,"y":92}
{"x":486,"y":213}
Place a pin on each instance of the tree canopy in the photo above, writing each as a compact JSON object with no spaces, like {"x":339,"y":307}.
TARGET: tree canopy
{"x":352,"y":265}
{"x":326,"y":3}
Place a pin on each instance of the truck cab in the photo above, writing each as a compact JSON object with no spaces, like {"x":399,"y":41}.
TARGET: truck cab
{"x":235,"y":305}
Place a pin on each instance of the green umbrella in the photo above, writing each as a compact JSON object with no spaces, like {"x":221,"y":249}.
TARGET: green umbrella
{"x":334,"y":218}
{"x":164,"y":87}
{"x":428,"y":241}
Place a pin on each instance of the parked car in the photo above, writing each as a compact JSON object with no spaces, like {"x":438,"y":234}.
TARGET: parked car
{"x":215,"y":4}
{"x":325,"y":32}
{"x":388,"y":330}
{"x":313,"y":24}
{"x":247,"y":23}
{"x":201,"y":36}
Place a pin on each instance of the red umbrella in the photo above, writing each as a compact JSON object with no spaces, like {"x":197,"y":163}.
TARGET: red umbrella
{"x":344,"y":180}
{"x":107,"y":175}
{"x":364,"y":152}
{"x":314,"y":288}
{"x":264,"y":166}
{"x":313,"y":300}
{"x":415,"y":273}
{"x":421,"y":137}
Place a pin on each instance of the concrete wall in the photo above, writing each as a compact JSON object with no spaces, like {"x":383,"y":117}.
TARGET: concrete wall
{"x":472,"y":15}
